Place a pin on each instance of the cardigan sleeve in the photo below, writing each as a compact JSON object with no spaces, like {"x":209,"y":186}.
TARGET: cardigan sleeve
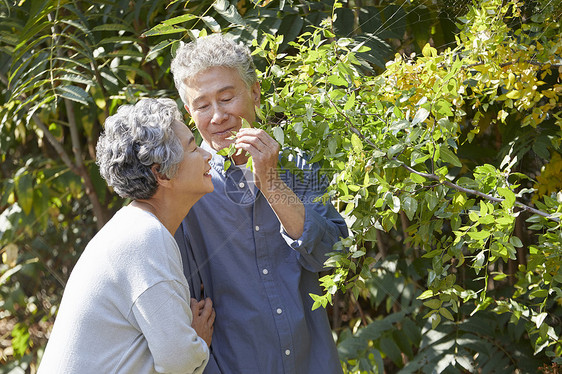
{"x":163,"y":314}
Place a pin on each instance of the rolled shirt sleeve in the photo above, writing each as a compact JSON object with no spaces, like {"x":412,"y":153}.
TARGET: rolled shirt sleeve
{"x":323,"y":225}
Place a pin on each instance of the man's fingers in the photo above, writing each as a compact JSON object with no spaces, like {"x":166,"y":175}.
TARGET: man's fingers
{"x":257,"y":137}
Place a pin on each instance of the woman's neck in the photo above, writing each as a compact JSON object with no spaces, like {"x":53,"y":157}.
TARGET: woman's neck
{"x":169,"y":216}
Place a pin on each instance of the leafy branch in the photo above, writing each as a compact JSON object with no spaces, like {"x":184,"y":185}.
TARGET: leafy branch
{"x":435,"y":177}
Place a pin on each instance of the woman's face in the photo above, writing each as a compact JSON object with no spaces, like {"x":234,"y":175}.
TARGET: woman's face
{"x":192,"y":176}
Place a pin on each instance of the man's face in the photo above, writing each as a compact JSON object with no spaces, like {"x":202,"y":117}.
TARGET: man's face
{"x":217,"y":100}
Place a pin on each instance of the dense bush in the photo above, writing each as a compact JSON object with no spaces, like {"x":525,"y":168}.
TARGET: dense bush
{"x":444,"y":159}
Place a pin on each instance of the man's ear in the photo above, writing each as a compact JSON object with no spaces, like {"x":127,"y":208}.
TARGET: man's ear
{"x":256,"y":93}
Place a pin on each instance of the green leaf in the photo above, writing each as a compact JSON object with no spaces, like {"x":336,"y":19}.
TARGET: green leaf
{"x":228,"y":12}
{"x":444,"y":108}
{"x":448,"y":156}
{"x":395,"y":204}
{"x":500,"y":276}
{"x":279,"y":135}
{"x":516,"y":242}
{"x":162,"y":29}
{"x":179,"y":19}
{"x":20,"y":341}
{"x":421,"y":115}
{"x":24,"y":191}
{"x":357,"y":254}
{"x":432,"y":199}
{"x":479,"y":235}
{"x":539,"y":319}
{"x":350,"y":102}
{"x":250,"y":164}
{"x":211,"y":23}
{"x":410,"y":206}
{"x":435,"y":320}
{"x":245,"y":123}
{"x":74,"y":93}
{"x":479,"y":260}
{"x":391,"y":349}
{"x":336,"y":80}
{"x":429,"y":51}
{"x":356,"y":143}
{"x":395,"y":149}
{"x":509,"y":197}
{"x":113,"y":27}
{"x":540,"y":293}
{"x":416,"y":178}
{"x":433,"y":303}
{"x":227,"y":164}
{"x":445,"y":313}
{"x":426,"y":295}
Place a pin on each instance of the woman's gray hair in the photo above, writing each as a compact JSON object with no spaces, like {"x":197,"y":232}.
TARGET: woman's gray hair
{"x":210,"y":51}
{"x":135,"y":138}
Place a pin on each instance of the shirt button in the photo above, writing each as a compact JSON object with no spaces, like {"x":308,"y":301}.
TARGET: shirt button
{"x":257,"y":228}
{"x":279,"y":310}
{"x":287,"y":352}
{"x":241,"y":184}
{"x":265,"y":271}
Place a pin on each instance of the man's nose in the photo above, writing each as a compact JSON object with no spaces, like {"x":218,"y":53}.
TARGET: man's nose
{"x":219,"y":115}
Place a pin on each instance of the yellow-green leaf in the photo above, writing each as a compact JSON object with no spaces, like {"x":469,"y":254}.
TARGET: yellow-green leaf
{"x":514,"y":94}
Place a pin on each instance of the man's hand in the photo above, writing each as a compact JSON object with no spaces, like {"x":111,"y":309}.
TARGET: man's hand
{"x":203,"y":319}
{"x":265,"y":155}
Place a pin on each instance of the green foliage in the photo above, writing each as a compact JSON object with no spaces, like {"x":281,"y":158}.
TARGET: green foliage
{"x":444,"y":160}
{"x":399,"y":147}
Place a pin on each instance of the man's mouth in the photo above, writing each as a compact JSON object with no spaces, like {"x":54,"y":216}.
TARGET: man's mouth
{"x":225,"y":132}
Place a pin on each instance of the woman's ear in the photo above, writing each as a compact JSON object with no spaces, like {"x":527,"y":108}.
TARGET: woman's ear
{"x":160,"y":178}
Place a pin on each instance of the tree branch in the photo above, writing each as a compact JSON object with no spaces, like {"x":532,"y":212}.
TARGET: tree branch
{"x":80,"y":167}
{"x":530,"y":62}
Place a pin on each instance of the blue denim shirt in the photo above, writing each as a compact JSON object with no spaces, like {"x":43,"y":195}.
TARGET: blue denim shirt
{"x":258,"y":278}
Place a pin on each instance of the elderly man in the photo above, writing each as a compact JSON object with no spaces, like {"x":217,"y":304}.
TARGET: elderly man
{"x":256,"y":244}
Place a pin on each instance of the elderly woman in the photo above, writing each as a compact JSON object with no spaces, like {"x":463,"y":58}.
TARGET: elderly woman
{"x":126,"y":307}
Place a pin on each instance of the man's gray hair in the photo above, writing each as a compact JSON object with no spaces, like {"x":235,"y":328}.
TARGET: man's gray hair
{"x":135,"y":138}
{"x":211,"y":51}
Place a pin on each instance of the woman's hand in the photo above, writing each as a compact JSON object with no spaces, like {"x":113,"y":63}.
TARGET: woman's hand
{"x":203,"y":319}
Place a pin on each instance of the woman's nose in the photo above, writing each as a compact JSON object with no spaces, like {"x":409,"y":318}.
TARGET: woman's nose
{"x":207,"y":155}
